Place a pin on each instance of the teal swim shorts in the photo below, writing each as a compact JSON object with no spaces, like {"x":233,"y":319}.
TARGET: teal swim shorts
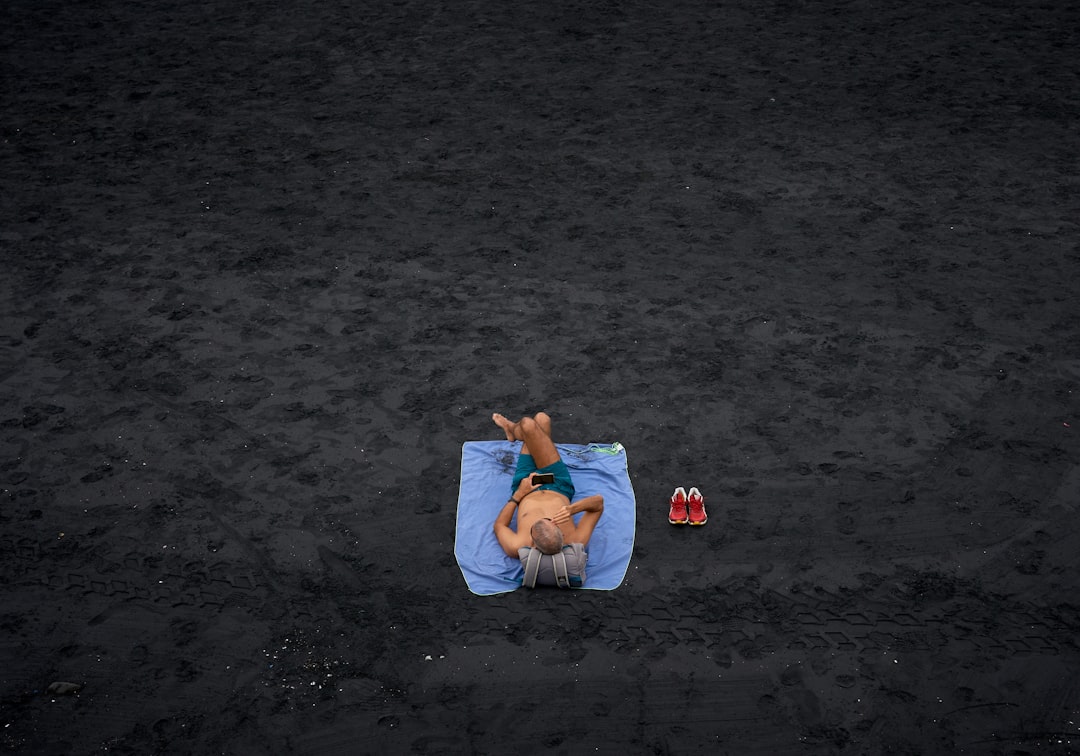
{"x":526,"y":467}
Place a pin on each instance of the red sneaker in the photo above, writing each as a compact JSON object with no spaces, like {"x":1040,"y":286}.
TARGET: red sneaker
{"x":677,"y":513}
{"x":697,"y":507}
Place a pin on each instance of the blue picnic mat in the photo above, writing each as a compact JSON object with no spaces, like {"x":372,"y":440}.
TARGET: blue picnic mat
{"x":487,"y":468}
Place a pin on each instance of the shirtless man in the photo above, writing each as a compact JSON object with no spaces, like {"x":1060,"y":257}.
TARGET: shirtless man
{"x":544,"y":511}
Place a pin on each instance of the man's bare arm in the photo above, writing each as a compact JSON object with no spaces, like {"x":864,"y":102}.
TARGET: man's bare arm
{"x":508,"y":539}
{"x":588,"y":504}
{"x":592,"y":507}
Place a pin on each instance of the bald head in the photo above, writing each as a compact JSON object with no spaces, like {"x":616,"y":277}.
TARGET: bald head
{"x":547,"y":536}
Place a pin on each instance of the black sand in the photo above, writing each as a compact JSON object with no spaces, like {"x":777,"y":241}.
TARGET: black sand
{"x":267,"y":265}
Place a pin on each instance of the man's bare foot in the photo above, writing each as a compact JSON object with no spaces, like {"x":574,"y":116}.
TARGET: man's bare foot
{"x":506,"y":425}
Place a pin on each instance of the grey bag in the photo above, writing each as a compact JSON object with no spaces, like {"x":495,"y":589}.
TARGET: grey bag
{"x":565,"y":569}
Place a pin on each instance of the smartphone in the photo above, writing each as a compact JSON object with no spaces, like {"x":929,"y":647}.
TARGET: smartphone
{"x":542,"y":478}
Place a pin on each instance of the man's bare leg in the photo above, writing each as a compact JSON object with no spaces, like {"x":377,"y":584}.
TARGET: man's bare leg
{"x":514,"y":431}
{"x":509,"y":428}
{"x":535,"y":435}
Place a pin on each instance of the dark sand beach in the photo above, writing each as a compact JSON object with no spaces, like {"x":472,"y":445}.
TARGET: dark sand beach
{"x":266,"y":265}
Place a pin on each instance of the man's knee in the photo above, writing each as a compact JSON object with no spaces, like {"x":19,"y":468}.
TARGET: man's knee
{"x":528,"y":425}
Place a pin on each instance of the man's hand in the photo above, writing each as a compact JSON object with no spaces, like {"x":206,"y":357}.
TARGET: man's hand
{"x":525,"y":488}
{"x":562,"y":516}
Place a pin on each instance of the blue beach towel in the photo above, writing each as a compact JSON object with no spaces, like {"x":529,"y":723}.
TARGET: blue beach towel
{"x":487,"y":468}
